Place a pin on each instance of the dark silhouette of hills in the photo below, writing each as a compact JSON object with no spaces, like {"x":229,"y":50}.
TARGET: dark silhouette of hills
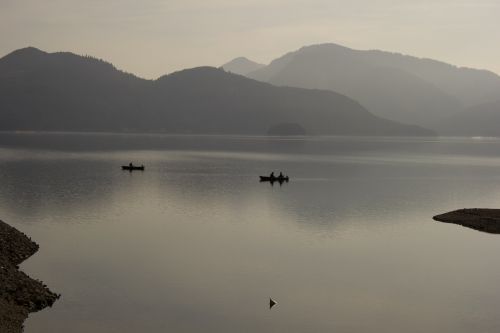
{"x":63,"y":91}
{"x":241,"y":66}
{"x":479,"y":120}
{"x":394,"y":86}
{"x":67,"y":92}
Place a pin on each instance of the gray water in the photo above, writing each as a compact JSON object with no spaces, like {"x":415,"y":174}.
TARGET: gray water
{"x":196,"y":244}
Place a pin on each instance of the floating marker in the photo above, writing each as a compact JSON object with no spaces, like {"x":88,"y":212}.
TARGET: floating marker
{"x":272,"y":303}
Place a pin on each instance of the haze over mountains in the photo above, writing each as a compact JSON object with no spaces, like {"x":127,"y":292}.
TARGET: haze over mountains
{"x":479,"y":120}
{"x":242,"y":66}
{"x":398,"y":87}
{"x":314,"y":90}
{"x":66,"y":92}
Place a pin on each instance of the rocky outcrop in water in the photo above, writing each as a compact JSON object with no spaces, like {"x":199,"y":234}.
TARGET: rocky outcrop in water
{"x":482,"y":219}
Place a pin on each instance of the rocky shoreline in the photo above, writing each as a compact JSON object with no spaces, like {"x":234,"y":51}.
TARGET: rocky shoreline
{"x":482,"y":219}
{"x":19,"y":294}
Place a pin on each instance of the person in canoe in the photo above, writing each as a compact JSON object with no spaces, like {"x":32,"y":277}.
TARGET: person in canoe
{"x":130,"y":165}
{"x":272,"y":175}
{"x":281,"y":175}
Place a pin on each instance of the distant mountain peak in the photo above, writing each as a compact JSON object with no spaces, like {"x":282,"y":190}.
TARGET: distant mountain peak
{"x":242,"y":59}
{"x":241,"y":65}
{"x":31,"y":57}
{"x":325,"y":46}
{"x":29,"y":51}
{"x":392,"y":85}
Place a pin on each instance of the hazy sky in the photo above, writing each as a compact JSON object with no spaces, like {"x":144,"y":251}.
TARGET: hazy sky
{"x":153,"y":37}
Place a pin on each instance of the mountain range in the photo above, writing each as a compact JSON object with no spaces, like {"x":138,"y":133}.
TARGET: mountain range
{"x":63,"y":91}
{"x":394,"y":86}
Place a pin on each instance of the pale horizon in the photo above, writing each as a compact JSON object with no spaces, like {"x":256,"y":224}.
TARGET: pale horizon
{"x":154,"y":37}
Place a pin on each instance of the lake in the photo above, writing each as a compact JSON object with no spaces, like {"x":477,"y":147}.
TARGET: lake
{"x":196,"y":243}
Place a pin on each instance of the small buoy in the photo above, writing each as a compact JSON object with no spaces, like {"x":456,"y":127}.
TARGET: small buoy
{"x":272,"y":303}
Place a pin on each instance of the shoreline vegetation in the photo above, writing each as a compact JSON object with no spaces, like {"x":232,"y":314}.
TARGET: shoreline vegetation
{"x":481,"y":219}
{"x":19,"y":294}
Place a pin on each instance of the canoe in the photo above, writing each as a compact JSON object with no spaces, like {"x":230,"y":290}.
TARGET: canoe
{"x":273,"y":179}
{"x":133,"y":167}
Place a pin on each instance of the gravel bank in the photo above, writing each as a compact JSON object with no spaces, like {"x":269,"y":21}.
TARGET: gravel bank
{"x":19,"y":294}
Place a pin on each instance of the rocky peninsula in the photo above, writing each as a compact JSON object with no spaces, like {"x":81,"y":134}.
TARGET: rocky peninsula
{"x":482,"y":219}
{"x":19,"y":294}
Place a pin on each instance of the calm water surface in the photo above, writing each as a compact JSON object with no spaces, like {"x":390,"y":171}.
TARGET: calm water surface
{"x":196,"y":244}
